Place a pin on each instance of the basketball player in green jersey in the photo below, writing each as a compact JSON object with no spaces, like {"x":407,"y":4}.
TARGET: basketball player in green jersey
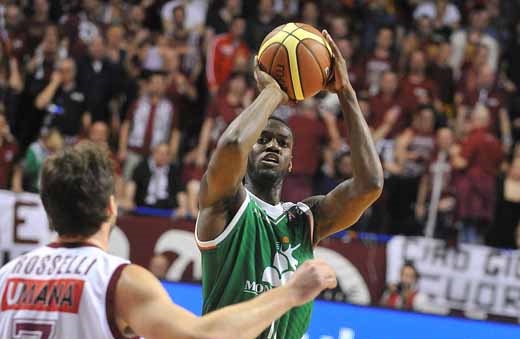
{"x":250,"y":241}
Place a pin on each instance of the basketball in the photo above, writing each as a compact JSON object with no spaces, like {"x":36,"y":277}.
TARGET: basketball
{"x":298,"y":57}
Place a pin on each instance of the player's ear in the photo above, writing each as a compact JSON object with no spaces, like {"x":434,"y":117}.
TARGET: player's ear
{"x":290,"y":166}
{"x":112,"y":207}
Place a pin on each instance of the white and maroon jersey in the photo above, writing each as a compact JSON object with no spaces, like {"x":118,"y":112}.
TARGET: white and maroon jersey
{"x":60,"y":291}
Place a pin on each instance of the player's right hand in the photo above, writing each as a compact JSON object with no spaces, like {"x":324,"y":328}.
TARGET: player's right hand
{"x":264,"y":80}
{"x":310,"y":279}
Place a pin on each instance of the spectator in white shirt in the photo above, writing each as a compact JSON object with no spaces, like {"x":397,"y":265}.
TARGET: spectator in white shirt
{"x":442,"y":12}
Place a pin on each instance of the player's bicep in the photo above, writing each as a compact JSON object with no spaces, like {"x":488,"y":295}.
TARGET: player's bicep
{"x":214,"y":219}
{"x":224,"y":175}
{"x":142,"y":304}
{"x":339,"y":209}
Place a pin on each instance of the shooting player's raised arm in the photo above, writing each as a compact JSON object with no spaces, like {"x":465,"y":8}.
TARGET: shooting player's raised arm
{"x":222,"y":181}
{"x":344,"y":205}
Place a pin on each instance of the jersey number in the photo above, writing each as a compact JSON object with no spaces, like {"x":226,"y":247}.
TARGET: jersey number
{"x":32,"y":329}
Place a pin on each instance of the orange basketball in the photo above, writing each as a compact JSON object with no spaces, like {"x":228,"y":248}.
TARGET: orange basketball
{"x":298,"y":57}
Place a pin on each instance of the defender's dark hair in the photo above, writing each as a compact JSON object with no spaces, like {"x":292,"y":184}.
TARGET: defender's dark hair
{"x":76,"y":185}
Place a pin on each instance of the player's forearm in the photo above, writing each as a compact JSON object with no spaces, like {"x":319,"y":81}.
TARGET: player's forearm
{"x":366,"y":166}
{"x":247,"y":320}
{"x":243,"y":132}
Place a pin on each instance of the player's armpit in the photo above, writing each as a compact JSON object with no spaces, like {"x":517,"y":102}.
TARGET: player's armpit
{"x":214,"y":219}
{"x":341,"y":207}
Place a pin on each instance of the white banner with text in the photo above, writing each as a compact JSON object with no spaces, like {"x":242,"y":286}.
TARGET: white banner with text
{"x":23,"y":224}
{"x":471,"y":278}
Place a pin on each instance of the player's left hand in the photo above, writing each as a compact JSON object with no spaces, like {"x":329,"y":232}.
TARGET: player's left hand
{"x":339,"y":80}
{"x":264,"y":80}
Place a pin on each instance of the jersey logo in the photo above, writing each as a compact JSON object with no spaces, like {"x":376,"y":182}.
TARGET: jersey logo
{"x":53,"y":295}
{"x":283,"y":267}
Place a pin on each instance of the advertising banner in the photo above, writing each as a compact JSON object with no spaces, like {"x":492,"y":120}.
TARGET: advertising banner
{"x":470,"y":278}
{"x":23,"y":224}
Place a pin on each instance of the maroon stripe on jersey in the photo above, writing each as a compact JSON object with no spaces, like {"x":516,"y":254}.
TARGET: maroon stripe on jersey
{"x":58,"y":244}
{"x":110,"y":303}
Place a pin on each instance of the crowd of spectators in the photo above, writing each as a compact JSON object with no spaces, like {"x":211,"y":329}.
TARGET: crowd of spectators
{"x":157,"y":81}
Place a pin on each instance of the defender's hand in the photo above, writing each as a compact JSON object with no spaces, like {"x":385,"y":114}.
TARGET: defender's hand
{"x":310,"y":279}
{"x":339,"y":80}
{"x":264,"y":80}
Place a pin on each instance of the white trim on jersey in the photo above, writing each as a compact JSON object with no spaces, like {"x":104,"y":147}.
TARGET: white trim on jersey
{"x":307,"y":210}
{"x":206,"y":245}
{"x":274,"y":211}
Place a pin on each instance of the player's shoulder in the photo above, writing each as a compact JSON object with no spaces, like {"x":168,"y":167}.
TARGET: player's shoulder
{"x":313,"y":201}
{"x":12,"y":263}
{"x":301,"y":205}
{"x":114,"y":258}
{"x":9,"y":266}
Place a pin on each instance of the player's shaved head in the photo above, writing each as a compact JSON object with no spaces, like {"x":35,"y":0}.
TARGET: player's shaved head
{"x":280,"y":120}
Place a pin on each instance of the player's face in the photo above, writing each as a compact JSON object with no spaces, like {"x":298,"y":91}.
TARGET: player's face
{"x":271,"y":154}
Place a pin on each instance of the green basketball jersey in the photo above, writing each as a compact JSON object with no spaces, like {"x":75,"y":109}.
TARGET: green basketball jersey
{"x":260,"y":249}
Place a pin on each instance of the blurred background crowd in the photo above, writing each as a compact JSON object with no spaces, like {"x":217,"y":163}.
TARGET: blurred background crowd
{"x":157,"y":82}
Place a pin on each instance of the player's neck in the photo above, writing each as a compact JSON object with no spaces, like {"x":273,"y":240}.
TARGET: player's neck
{"x":99,"y":239}
{"x":269,"y":193}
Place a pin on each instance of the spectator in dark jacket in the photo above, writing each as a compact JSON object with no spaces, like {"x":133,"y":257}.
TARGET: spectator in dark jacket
{"x":98,"y":79}
{"x":64,"y":103}
{"x":155,"y":182}
{"x":8,"y":153}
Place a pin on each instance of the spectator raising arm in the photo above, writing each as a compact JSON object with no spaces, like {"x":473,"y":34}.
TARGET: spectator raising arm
{"x":123,"y":140}
{"x":204,"y":141}
{"x":505,"y":129}
{"x":15,"y":78}
{"x":45,"y":97}
{"x":174,"y":144}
